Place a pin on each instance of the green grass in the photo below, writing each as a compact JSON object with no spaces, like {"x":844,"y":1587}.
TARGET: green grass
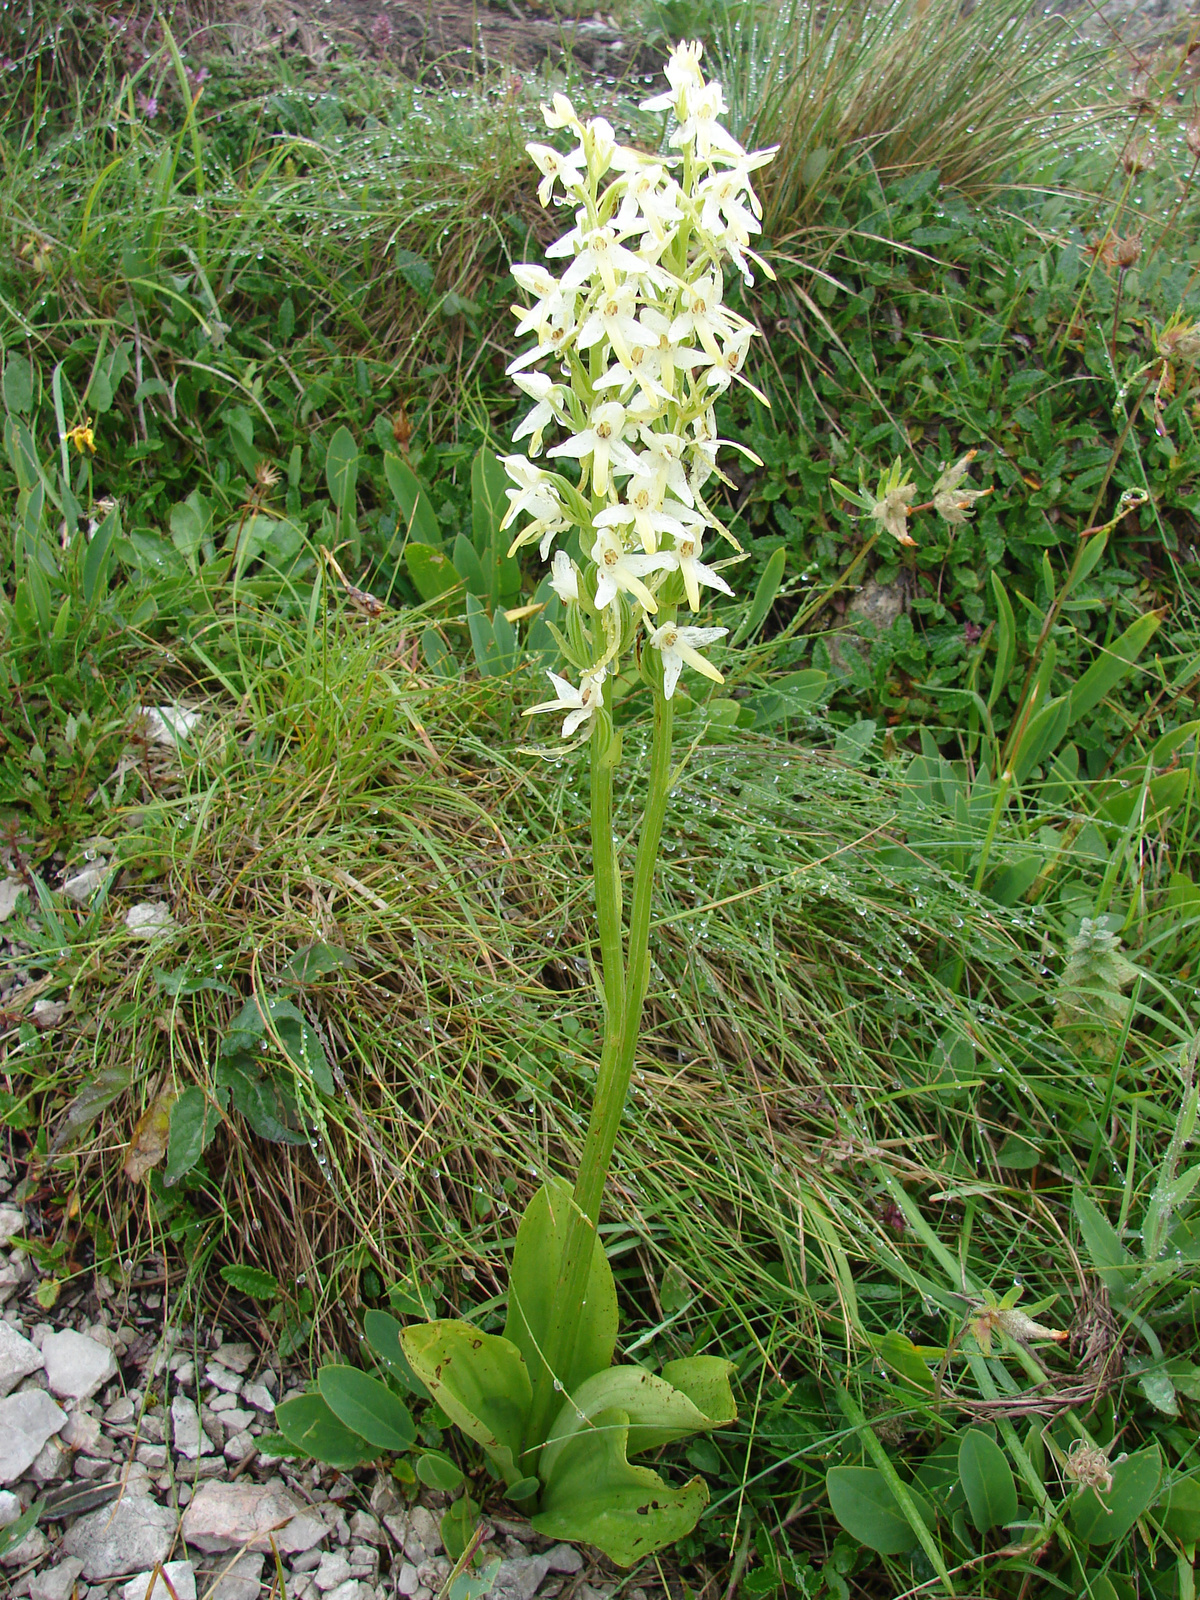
{"x":865,"y":1092}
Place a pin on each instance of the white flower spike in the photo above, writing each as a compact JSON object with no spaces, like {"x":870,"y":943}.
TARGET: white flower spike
{"x":579,"y":704}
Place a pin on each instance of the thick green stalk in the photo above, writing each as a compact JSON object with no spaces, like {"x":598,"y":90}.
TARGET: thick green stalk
{"x":605,"y":751}
{"x":612,"y":1080}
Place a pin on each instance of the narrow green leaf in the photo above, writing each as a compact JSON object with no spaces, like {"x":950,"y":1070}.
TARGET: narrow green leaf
{"x":252,"y":1281}
{"x":1043,"y":734}
{"x":1113,"y":1263}
{"x":96,"y":561}
{"x":483,"y":639}
{"x":764,"y":596}
{"x":1006,"y":639}
{"x":367,"y":1407}
{"x":1113,"y":665}
{"x":341,"y":470}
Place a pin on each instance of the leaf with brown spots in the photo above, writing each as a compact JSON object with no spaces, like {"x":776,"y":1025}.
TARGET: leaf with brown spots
{"x":148,"y":1145}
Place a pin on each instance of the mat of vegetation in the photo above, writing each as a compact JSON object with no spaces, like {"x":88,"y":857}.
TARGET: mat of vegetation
{"x":297,"y":926}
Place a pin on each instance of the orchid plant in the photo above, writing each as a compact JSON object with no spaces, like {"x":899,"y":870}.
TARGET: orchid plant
{"x":632,"y":345}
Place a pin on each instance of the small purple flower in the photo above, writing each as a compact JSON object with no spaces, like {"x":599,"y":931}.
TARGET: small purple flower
{"x":972,"y":632}
{"x":147,"y":104}
{"x":196,"y":80}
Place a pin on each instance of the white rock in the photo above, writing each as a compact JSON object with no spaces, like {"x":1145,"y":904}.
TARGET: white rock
{"x":83,"y":884}
{"x":365,"y":1529}
{"x":168,"y":724}
{"x":58,"y":1582}
{"x":239,"y":1580}
{"x":82,"y":1433}
{"x":48,"y":1014}
{"x":238,"y":1447}
{"x":149,"y":919}
{"x":237,"y":1421}
{"x":221,"y":1378}
{"x":235,"y":1357}
{"x":121,"y":1411}
{"x":258,"y":1396}
{"x":10,"y":1508}
{"x":10,"y":891}
{"x":519,"y":1580}
{"x":332,"y":1570}
{"x":351,"y":1590}
{"x":75,"y":1365}
{"x":563,"y":1558}
{"x":225,"y":1516}
{"x":18,"y":1357}
{"x":407,"y":1582}
{"x":12,"y":1222}
{"x":424,"y":1538}
{"x":183,"y":1582}
{"x":27,"y":1420}
{"x":125,"y":1537}
{"x":53,"y":1463}
{"x":188,"y":1436}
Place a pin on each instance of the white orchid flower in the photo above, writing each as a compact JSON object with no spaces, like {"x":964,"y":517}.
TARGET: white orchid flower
{"x":549,"y":407}
{"x":704,"y":317}
{"x":536,"y":495}
{"x":727,"y":367}
{"x":564,"y":577}
{"x":688,"y":545}
{"x":614,"y":317}
{"x":698,"y":125}
{"x":599,"y":253}
{"x":569,"y":170}
{"x":619,"y":570}
{"x":677,"y":646}
{"x":650,"y":204}
{"x":562,"y":114}
{"x":682,"y":72}
{"x":651,"y":520}
{"x":603,"y":441}
{"x":579,"y":704}
{"x":659,"y":468}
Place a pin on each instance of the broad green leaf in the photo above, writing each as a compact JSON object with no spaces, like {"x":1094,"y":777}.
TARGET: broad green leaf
{"x":18,"y":383}
{"x":415,"y":271}
{"x":505,"y":637}
{"x":1180,"y":1511}
{"x":480,"y":1381}
{"x":1099,"y":1518}
{"x":1090,"y":559}
{"x":1114,"y":664}
{"x":417,"y":513}
{"x":764,"y":596}
{"x":905,"y":1360}
{"x":595,"y":1496}
{"x":252,"y":1281}
{"x":191,"y":525}
{"x":987,"y":1481}
{"x":96,"y":561}
{"x":864,"y":1505}
{"x":307,"y":1423}
{"x":194,"y":1121}
{"x":432,"y":573}
{"x":532,"y":1278}
{"x":705,"y":1382}
{"x":367,"y":1407}
{"x":382,"y":1333}
{"x":437,"y":1471}
{"x":260,"y":1099}
{"x":474,"y":1585}
{"x":341,"y":470}
{"x":1011,"y":882}
{"x":1108,"y":1255}
{"x":301,"y":1043}
{"x":467,"y":566}
{"x":1006,"y":640}
{"x":488,"y":655}
{"x":655,"y":1412}
{"x":489,"y":502}
{"x":458,"y":1523}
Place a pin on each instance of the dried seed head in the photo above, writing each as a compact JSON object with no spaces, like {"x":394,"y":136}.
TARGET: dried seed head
{"x":402,"y":429}
{"x":265,"y":475}
{"x":1181,"y":342}
{"x":1120,"y":252}
{"x":1088,"y":1468}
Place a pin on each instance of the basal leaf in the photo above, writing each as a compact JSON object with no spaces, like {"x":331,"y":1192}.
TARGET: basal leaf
{"x":594,"y":1496}
{"x":437,"y":1471}
{"x":481,"y":1382}
{"x":194,"y":1121}
{"x":1180,"y":1509}
{"x":382,"y":1333}
{"x":531,"y":1282}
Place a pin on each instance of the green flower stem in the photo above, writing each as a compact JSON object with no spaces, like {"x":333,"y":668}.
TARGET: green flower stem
{"x":616,"y":1061}
{"x":605,"y":752}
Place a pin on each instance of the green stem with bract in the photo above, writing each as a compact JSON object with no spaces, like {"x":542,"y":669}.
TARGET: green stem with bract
{"x":616,"y":1059}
